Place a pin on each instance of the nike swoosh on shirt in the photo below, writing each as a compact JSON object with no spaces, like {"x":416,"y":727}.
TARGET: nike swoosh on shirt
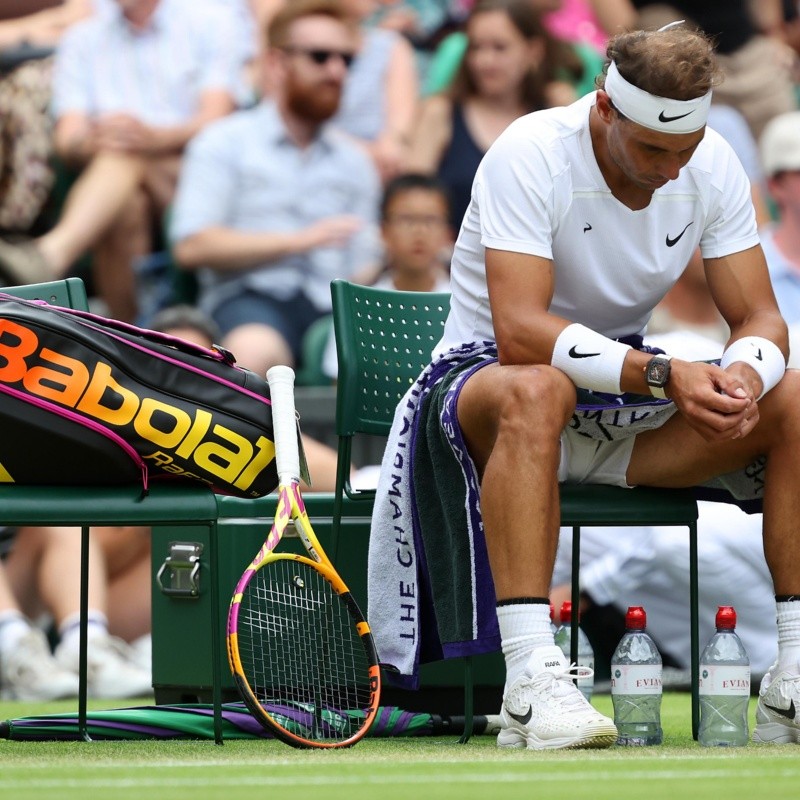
{"x":587,"y":227}
{"x":673,"y":242}
{"x":783,"y":712}
{"x":573,"y":353}
{"x":662,"y":117}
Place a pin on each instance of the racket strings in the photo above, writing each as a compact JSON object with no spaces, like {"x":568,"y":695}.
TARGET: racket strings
{"x":301,"y":653}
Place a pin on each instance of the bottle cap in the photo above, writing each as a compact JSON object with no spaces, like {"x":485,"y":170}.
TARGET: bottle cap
{"x":726,"y":618}
{"x":635,"y":619}
{"x":566,"y":612}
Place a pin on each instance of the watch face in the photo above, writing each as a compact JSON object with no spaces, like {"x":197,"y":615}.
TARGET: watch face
{"x":658,"y":372}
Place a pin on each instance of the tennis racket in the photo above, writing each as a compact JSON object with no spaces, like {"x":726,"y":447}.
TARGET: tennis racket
{"x":299,"y":648}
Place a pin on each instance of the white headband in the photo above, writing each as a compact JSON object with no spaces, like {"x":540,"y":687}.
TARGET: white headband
{"x":657,"y":113}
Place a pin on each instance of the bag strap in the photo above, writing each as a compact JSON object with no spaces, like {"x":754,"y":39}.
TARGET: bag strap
{"x":216,"y":352}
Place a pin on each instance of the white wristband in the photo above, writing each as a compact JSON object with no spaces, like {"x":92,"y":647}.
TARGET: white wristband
{"x":764,"y":356}
{"x":589,"y":359}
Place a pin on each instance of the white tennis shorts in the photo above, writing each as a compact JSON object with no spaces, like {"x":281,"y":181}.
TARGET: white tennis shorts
{"x":586,"y":460}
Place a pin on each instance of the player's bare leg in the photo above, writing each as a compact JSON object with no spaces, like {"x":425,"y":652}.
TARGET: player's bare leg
{"x":512,"y":418}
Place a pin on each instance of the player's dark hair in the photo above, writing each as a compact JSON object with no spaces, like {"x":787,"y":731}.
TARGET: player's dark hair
{"x":678,"y":63}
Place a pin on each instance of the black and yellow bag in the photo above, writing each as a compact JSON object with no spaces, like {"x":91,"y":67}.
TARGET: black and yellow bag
{"x":86,"y":400}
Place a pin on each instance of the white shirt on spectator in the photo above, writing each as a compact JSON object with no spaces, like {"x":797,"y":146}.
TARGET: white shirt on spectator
{"x":104,"y":65}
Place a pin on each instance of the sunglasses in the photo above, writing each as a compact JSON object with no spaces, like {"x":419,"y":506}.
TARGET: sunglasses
{"x":321,"y":56}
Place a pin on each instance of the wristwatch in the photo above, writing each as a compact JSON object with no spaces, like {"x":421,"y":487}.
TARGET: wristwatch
{"x":656,"y":375}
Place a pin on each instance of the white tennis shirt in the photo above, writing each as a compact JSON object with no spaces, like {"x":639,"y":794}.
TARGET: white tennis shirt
{"x":539,"y":190}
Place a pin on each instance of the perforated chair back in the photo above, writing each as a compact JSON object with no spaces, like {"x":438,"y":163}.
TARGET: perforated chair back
{"x":384,"y":339}
{"x":67,"y":293}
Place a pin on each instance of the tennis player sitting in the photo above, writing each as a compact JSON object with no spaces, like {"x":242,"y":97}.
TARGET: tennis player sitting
{"x":581,"y":219}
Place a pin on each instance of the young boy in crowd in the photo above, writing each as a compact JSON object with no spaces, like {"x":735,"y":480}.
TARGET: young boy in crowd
{"x":416,"y":239}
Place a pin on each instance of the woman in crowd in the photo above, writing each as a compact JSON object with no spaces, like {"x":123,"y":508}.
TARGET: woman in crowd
{"x":512,"y":67}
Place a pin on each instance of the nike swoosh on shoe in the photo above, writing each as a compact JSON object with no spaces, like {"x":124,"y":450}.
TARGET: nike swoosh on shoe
{"x":523,"y":719}
{"x":789,"y":713}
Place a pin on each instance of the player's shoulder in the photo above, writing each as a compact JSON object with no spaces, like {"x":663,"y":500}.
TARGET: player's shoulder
{"x":714,"y":165}
{"x":548,"y":137}
{"x":713,"y":153}
{"x":550,"y":125}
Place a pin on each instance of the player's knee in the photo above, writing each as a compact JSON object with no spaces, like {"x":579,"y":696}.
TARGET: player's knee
{"x":541,"y":397}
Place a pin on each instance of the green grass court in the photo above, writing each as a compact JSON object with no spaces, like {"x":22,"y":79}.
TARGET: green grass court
{"x":391,"y":769}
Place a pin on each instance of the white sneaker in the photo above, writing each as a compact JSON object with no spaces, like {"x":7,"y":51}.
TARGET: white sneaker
{"x":29,"y":672}
{"x":112,"y":669}
{"x":544,"y":709}
{"x":778,"y":709}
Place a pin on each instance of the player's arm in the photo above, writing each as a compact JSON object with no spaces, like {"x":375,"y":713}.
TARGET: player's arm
{"x":758,"y":347}
{"x":520,"y":291}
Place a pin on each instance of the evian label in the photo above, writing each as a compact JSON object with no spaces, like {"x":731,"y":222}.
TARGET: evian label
{"x":589,"y":679}
{"x":636,"y":679}
{"x":724,"y":680}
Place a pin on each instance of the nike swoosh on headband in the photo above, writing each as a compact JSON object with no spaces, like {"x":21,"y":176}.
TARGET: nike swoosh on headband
{"x":662,"y":117}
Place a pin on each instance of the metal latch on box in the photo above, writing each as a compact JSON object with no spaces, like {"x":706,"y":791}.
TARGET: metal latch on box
{"x":181,"y":570}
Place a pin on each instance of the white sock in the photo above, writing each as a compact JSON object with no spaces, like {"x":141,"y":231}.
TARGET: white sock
{"x":789,"y":637}
{"x":69,"y":630}
{"x":13,"y":626}
{"x":523,"y":628}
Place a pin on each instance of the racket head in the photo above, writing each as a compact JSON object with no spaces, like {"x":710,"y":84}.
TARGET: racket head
{"x":302,"y":654}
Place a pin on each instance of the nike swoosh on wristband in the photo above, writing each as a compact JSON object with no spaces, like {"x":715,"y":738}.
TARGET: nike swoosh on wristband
{"x":523,"y":719}
{"x":784,"y":712}
{"x":662,"y":117}
{"x":759,"y":356}
{"x":573,"y":353}
{"x":673,"y":242}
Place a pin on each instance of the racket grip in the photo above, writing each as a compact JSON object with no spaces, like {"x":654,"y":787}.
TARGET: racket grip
{"x":284,"y":425}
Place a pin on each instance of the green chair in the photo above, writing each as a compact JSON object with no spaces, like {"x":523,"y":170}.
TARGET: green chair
{"x":68,"y":293}
{"x":187,"y":504}
{"x":384,"y":338}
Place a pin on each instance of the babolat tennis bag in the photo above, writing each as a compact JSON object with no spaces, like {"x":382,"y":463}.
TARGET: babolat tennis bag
{"x":86,"y":400}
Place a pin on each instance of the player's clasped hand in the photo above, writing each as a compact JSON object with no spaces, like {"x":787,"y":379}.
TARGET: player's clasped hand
{"x":720,"y":405}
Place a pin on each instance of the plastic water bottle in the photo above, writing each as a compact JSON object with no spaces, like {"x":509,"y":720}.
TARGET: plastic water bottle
{"x":563,"y":638}
{"x":553,"y":625}
{"x":636,"y":684}
{"x":724,"y":686}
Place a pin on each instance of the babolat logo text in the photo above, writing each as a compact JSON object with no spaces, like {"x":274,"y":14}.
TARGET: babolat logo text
{"x":188,"y":441}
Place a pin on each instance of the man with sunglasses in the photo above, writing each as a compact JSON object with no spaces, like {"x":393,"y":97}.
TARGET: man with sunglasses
{"x":272,"y":203}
